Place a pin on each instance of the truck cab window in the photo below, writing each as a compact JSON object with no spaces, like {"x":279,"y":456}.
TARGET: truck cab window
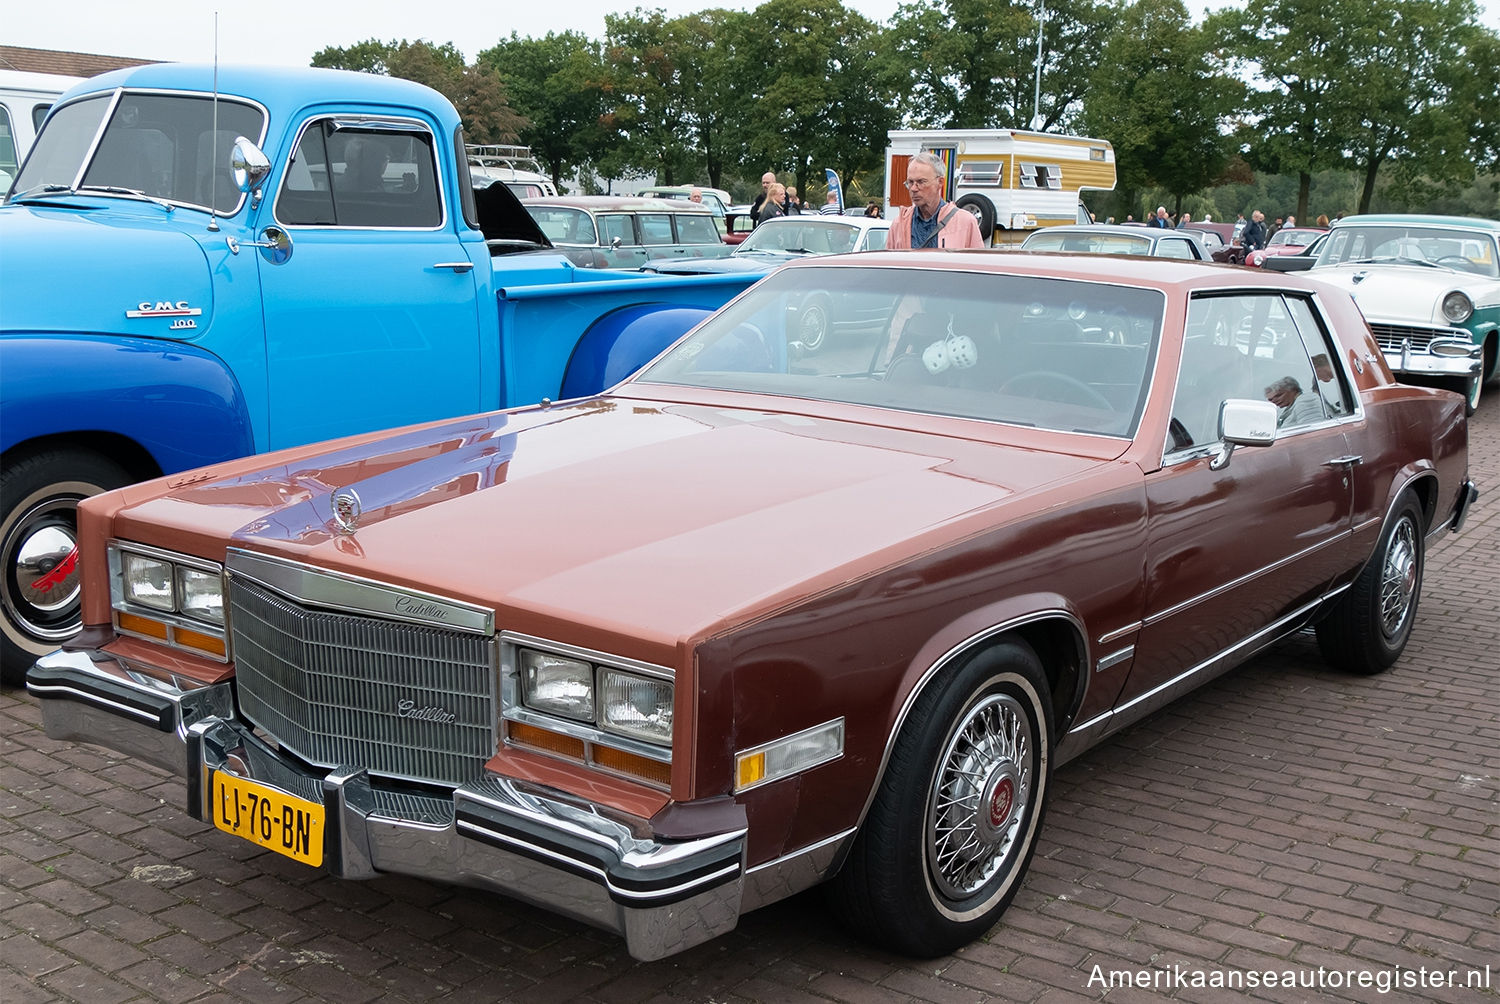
{"x":361,"y":177}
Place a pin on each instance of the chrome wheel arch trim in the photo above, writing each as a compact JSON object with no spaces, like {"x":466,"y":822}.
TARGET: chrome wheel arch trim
{"x":967,"y":646}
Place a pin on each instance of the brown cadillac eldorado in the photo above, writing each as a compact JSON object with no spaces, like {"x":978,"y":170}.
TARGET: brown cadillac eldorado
{"x":764,"y":616}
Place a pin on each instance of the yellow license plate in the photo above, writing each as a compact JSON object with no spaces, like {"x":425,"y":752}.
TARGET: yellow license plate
{"x":273,"y":819}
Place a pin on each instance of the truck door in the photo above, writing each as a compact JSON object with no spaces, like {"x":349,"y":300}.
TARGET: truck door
{"x":373,"y":321}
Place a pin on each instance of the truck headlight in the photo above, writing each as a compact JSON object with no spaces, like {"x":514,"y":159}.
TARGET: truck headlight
{"x":557,"y":685}
{"x":636,"y":706}
{"x":1457,"y":307}
{"x":174,"y":599}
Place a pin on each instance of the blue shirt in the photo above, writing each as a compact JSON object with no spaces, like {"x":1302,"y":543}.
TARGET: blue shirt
{"x":924,"y":229}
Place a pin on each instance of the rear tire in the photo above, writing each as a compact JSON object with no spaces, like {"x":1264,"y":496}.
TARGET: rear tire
{"x":951,"y":832}
{"x":39,"y":596}
{"x":1368,"y":629}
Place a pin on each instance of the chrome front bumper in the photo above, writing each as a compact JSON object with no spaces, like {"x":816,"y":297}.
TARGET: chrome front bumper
{"x":1461,"y":357}
{"x":661,"y":896}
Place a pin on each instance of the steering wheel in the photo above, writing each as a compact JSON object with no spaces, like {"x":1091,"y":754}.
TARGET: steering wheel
{"x":1065,"y":389}
{"x":1456,"y":258}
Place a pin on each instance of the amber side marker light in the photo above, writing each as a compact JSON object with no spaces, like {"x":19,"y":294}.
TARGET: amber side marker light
{"x":201,"y":642}
{"x":789,"y":755}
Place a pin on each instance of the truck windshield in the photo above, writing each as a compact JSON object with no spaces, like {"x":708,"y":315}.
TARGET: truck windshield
{"x":158,"y":145}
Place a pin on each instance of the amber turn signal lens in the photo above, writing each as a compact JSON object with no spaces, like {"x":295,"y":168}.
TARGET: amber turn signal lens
{"x":636,"y":766}
{"x":201,"y":642}
{"x":136,"y":624}
{"x":542,"y":739}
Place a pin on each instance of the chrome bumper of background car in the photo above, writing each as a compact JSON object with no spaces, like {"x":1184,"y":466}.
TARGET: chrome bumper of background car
{"x":492,"y":833}
{"x":1441,"y":357}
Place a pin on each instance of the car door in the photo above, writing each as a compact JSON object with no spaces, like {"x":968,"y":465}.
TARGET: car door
{"x":1234,"y":553}
{"x":373,"y":320}
{"x":619,"y":242}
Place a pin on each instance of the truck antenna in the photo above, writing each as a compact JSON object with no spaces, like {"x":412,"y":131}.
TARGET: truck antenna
{"x":213,"y":143}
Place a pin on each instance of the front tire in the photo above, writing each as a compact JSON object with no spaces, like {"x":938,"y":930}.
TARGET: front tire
{"x":39,"y":581}
{"x":1368,"y":629}
{"x":952,"y":830}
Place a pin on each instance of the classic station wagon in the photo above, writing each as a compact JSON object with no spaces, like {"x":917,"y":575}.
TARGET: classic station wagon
{"x":603,"y":231}
{"x":776,"y":618}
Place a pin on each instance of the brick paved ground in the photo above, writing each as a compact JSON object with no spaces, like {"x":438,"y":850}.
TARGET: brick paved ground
{"x":1283,"y":818}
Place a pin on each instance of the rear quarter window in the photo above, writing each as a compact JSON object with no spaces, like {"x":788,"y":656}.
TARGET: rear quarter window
{"x":696,"y":229}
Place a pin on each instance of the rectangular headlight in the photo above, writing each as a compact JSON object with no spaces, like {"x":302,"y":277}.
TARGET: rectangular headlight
{"x":636,"y":706}
{"x":557,"y":685}
{"x":201,"y":595}
{"x":147,"y":581}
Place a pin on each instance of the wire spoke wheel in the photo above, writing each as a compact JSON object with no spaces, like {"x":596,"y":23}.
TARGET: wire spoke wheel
{"x":978,"y":797}
{"x":1398,"y":579}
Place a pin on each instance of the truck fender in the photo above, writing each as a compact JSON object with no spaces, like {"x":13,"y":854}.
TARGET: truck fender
{"x":622,"y":341}
{"x":181,"y":405}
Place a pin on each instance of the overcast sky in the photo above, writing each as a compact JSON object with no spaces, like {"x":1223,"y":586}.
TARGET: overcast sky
{"x":288,"y":32}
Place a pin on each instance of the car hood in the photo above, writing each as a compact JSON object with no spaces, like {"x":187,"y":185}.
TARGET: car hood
{"x":1407,"y":292}
{"x":121,"y":257}
{"x":655,"y":521}
{"x":734,"y":262}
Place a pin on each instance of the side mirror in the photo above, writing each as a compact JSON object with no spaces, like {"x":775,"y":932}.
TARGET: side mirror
{"x":249,"y":165}
{"x":1244,"y":422}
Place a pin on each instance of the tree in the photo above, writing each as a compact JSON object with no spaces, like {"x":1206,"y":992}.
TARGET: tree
{"x":972,"y":63}
{"x":476,"y":92}
{"x":557,"y":84}
{"x":814,"y":92}
{"x":1156,"y":98}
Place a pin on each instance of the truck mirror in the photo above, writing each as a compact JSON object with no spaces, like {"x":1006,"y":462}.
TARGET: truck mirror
{"x":249,"y":165}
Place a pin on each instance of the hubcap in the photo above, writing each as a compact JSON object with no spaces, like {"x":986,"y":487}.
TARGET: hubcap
{"x":979,"y":796}
{"x":814,"y":326}
{"x":41,"y":570}
{"x":1398,"y":578}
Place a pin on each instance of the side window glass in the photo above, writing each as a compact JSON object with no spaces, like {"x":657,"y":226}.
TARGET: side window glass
{"x":361,"y":178}
{"x":1174,"y":249}
{"x":38,"y":114}
{"x":1240,"y":346}
{"x":1328,"y":379}
{"x":7,"y":147}
{"x":694,"y":229}
{"x":616,"y":225}
{"x":875,"y":240}
{"x":656,"y":228}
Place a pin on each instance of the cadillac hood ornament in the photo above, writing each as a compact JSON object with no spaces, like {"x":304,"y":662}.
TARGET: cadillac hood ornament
{"x":346,"y":510}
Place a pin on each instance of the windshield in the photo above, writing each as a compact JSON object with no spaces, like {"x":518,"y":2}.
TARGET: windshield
{"x":1294,"y":238}
{"x":159,"y":145}
{"x":1060,"y":354}
{"x":1088,"y":243}
{"x":797,"y":236}
{"x":1454,"y":248}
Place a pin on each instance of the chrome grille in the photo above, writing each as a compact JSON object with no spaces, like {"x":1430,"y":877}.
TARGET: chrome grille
{"x":1390,"y":336}
{"x":329,"y":686}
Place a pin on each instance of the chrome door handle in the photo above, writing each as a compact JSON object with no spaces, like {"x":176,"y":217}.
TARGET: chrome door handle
{"x":1348,"y":460}
{"x":457,"y":266}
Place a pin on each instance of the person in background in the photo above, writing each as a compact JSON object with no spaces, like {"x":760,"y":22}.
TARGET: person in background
{"x":1291,"y":221}
{"x":1254,"y":236}
{"x":696,"y":195}
{"x":1160,"y":221}
{"x":793,"y":206}
{"x":830,"y":204}
{"x":774,"y":204}
{"x":1184,"y":220}
{"x":766,"y":181}
{"x":873,"y":210}
{"x":1323,"y":220}
{"x":931,"y":221}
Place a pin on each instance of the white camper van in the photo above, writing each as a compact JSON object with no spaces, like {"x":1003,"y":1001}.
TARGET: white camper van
{"x":1012,"y":181}
{"x":24,"y":100}
{"x":513,"y":166}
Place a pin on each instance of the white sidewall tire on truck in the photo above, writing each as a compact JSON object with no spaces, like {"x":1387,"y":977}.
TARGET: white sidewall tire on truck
{"x":39,"y":496}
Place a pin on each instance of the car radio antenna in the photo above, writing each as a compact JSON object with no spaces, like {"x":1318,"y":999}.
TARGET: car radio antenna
{"x":213,"y":143}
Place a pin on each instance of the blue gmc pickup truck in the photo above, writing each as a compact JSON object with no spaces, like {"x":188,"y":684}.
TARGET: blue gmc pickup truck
{"x":198,"y":263}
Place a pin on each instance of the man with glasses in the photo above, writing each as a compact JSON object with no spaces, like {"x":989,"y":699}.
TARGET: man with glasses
{"x":931,"y":221}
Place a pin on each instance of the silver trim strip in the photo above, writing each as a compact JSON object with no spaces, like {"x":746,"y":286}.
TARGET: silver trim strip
{"x":1247,"y":577}
{"x":1115,"y":658}
{"x":1119,"y":633}
{"x":354,"y":594}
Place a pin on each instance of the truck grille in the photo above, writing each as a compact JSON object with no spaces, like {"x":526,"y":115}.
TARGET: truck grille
{"x":402,"y":700}
{"x":1390,"y":336}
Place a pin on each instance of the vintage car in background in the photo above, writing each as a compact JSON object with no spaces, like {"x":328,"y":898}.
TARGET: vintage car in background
{"x":610,"y":231}
{"x":774,"y":618}
{"x":1430,"y":288}
{"x":1220,"y":239}
{"x":1299,"y":260}
{"x":1287,"y":240}
{"x":1104,"y":238}
{"x":786,"y":238}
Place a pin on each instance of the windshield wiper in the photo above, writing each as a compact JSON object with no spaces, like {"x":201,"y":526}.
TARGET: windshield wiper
{"x":52,"y":189}
{"x":798,"y":251}
{"x":134,"y":193}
